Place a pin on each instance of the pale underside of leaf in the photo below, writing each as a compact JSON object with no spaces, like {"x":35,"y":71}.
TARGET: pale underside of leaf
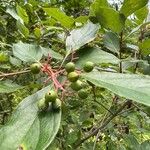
{"x":30,"y":128}
{"x":134,"y":87}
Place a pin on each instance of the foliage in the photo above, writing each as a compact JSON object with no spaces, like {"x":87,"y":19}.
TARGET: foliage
{"x":104,"y":107}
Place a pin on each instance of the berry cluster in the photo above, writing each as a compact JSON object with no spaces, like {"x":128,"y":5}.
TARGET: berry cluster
{"x":73,"y":76}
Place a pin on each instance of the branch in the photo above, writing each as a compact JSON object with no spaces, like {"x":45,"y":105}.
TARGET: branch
{"x":102,"y":127}
{"x":13,"y":73}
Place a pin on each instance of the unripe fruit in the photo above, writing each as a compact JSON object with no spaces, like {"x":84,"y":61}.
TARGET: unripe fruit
{"x":83,"y":94}
{"x":51,"y":96}
{"x":70,"y":67}
{"x":73,"y":76}
{"x":57,"y":104}
{"x":35,"y":68}
{"x":76,"y":85}
{"x":88,"y":66}
{"x":42,"y":105}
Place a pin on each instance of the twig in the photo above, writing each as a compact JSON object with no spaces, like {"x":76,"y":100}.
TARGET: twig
{"x":101,"y":127}
{"x":13,"y":73}
{"x":94,"y":95}
{"x":120,"y":52}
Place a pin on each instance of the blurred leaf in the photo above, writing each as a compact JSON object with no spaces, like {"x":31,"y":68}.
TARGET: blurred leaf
{"x":141,"y":14}
{"x":130,"y":86}
{"x":3,"y":57}
{"x":37,"y":32}
{"x":130,"y":6}
{"x":22,"y":14}
{"x":109,"y":18}
{"x":145,"y":47}
{"x":14,"y":14}
{"x":96,"y":55}
{"x":27,"y":52}
{"x":29,"y":128}
{"x":111,"y":42}
{"x":14,"y":61}
{"x":132,"y":143}
{"x":145,"y":145}
{"x":96,"y":3}
{"x":48,"y":51}
{"x":60,"y":16}
{"x":22,"y":28}
{"x":8,"y":86}
{"x":81,"y":36}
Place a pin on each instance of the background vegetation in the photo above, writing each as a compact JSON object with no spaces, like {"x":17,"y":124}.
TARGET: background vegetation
{"x":114,"y":35}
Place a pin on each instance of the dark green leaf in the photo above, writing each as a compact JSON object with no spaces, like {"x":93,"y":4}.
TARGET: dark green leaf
{"x":29,"y":128}
{"x":96,"y":55}
{"x":111,"y":41}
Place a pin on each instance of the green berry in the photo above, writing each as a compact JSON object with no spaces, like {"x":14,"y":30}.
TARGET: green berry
{"x":73,"y":76}
{"x":57,"y":104}
{"x":70,"y":67}
{"x":42,"y":105}
{"x":88,"y":66}
{"x":51,"y":96}
{"x":76,"y":85}
{"x":83,"y":94}
{"x":35,"y":68}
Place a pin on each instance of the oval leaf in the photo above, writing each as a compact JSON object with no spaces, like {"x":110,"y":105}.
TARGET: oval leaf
{"x":60,"y":16}
{"x":111,"y":41}
{"x":28,"y":128}
{"x":130,"y":6}
{"x":27,"y":52}
{"x":134,"y":87}
{"x":109,"y":18}
{"x":79,"y":37}
{"x":145,"y":47}
{"x":96,"y":55}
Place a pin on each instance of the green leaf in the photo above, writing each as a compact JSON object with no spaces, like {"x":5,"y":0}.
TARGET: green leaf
{"x":29,"y":128}
{"x":22,"y":28}
{"x":132,"y":142}
{"x":100,"y":3}
{"x":145,"y":145}
{"x":8,"y":86}
{"x":22,"y":14}
{"x":109,"y":18}
{"x":60,"y":16}
{"x":14,"y":61}
{"x":141,"y":14}
{"x":111,"y":42}
{"x":145,"y":47}
{"x":27,"y":52}
{"x":53,"y":54}
{"x":96,"y":55}
{"x":3,"y":57}
{"x":130,"y":6}
{"x":130,"y":86}
{"x":14,"y":14}
{"x":81,"y":36}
